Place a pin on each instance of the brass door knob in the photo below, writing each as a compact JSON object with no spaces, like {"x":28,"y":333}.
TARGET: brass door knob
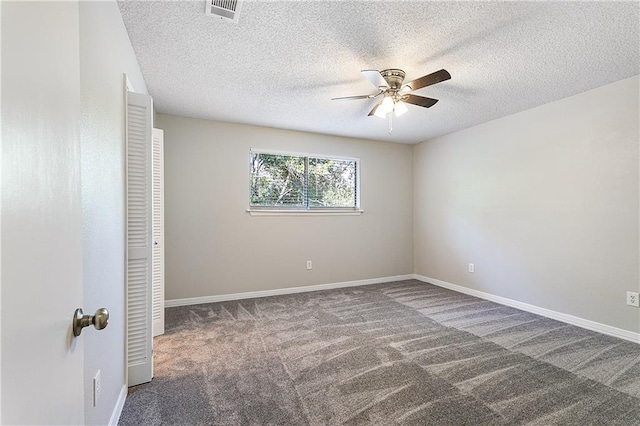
{"x":99,"y":320}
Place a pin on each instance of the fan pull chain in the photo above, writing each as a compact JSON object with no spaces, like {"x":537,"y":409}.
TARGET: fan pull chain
{"x":390,"y":115}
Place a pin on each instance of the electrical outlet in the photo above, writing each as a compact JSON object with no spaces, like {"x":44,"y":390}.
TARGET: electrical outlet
{"x":472,"y":268}
{"x":633,"y":299}
{"x":309,"y":264}
{"x":97,"y":388}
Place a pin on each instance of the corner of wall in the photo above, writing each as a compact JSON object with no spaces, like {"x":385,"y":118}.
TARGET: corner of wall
{"x":105,"y":55}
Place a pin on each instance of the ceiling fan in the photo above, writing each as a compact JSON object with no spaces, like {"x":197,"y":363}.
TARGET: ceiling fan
{"x":395,"y":93}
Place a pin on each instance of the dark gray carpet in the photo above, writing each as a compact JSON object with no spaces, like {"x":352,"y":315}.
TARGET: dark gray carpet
{"x":397,"y":353}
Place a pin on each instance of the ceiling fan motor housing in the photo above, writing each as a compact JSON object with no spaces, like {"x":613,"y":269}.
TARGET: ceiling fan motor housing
{"x":393,"y":77}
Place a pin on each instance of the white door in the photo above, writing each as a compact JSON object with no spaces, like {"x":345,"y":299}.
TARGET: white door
{"x":139,"y":238}
{"x":42,"y":363}
{"x":158,"y":232}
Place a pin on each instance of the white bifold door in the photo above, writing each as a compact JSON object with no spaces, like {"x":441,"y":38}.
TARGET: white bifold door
{"x":139,"y":238}
{"x":158,"y":232}
{"x":145,"y":237}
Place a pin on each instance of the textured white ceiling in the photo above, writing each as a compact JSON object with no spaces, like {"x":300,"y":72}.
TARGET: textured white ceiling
{"x":281,"y":64}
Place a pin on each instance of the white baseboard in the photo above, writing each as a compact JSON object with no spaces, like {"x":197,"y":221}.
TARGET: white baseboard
{"x":280,"y":291}
{"x":569,"y":319}
{"x":117,"y":410}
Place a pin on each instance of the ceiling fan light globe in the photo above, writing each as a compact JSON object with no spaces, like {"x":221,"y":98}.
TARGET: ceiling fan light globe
{"x":387,"y":104}
{"x":380,"y":112}
{"x":400,"y":108}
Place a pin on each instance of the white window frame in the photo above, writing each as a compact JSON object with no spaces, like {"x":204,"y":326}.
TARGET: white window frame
{"x":309,"y":211}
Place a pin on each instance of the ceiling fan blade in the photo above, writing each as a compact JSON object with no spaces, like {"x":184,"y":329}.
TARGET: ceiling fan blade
{"x":428,"y":80}
{"x":350,"y":98}
{"x":419,"y":100}
{"x":373,"y":111}
{"x":375,"y":78}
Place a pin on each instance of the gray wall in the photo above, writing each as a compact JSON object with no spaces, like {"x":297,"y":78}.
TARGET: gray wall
{"x":543,"y":202}
{"x":214,"y":247}
{"x":105,"y":54}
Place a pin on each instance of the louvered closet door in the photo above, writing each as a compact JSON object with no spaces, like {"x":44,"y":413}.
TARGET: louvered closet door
{"x":139,"y":238}
{"x":158,"y":232}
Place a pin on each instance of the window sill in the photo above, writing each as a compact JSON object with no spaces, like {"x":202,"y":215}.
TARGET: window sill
{"x":266,"y":212}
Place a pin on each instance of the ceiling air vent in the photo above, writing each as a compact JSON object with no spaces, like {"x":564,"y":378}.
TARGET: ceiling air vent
{"x":224,"y":9}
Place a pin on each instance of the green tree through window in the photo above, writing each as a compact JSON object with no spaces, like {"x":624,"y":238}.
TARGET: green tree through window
{"x":303,"y":182}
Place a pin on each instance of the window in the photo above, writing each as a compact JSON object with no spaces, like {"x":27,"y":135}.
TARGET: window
{"x":283,"y":181}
